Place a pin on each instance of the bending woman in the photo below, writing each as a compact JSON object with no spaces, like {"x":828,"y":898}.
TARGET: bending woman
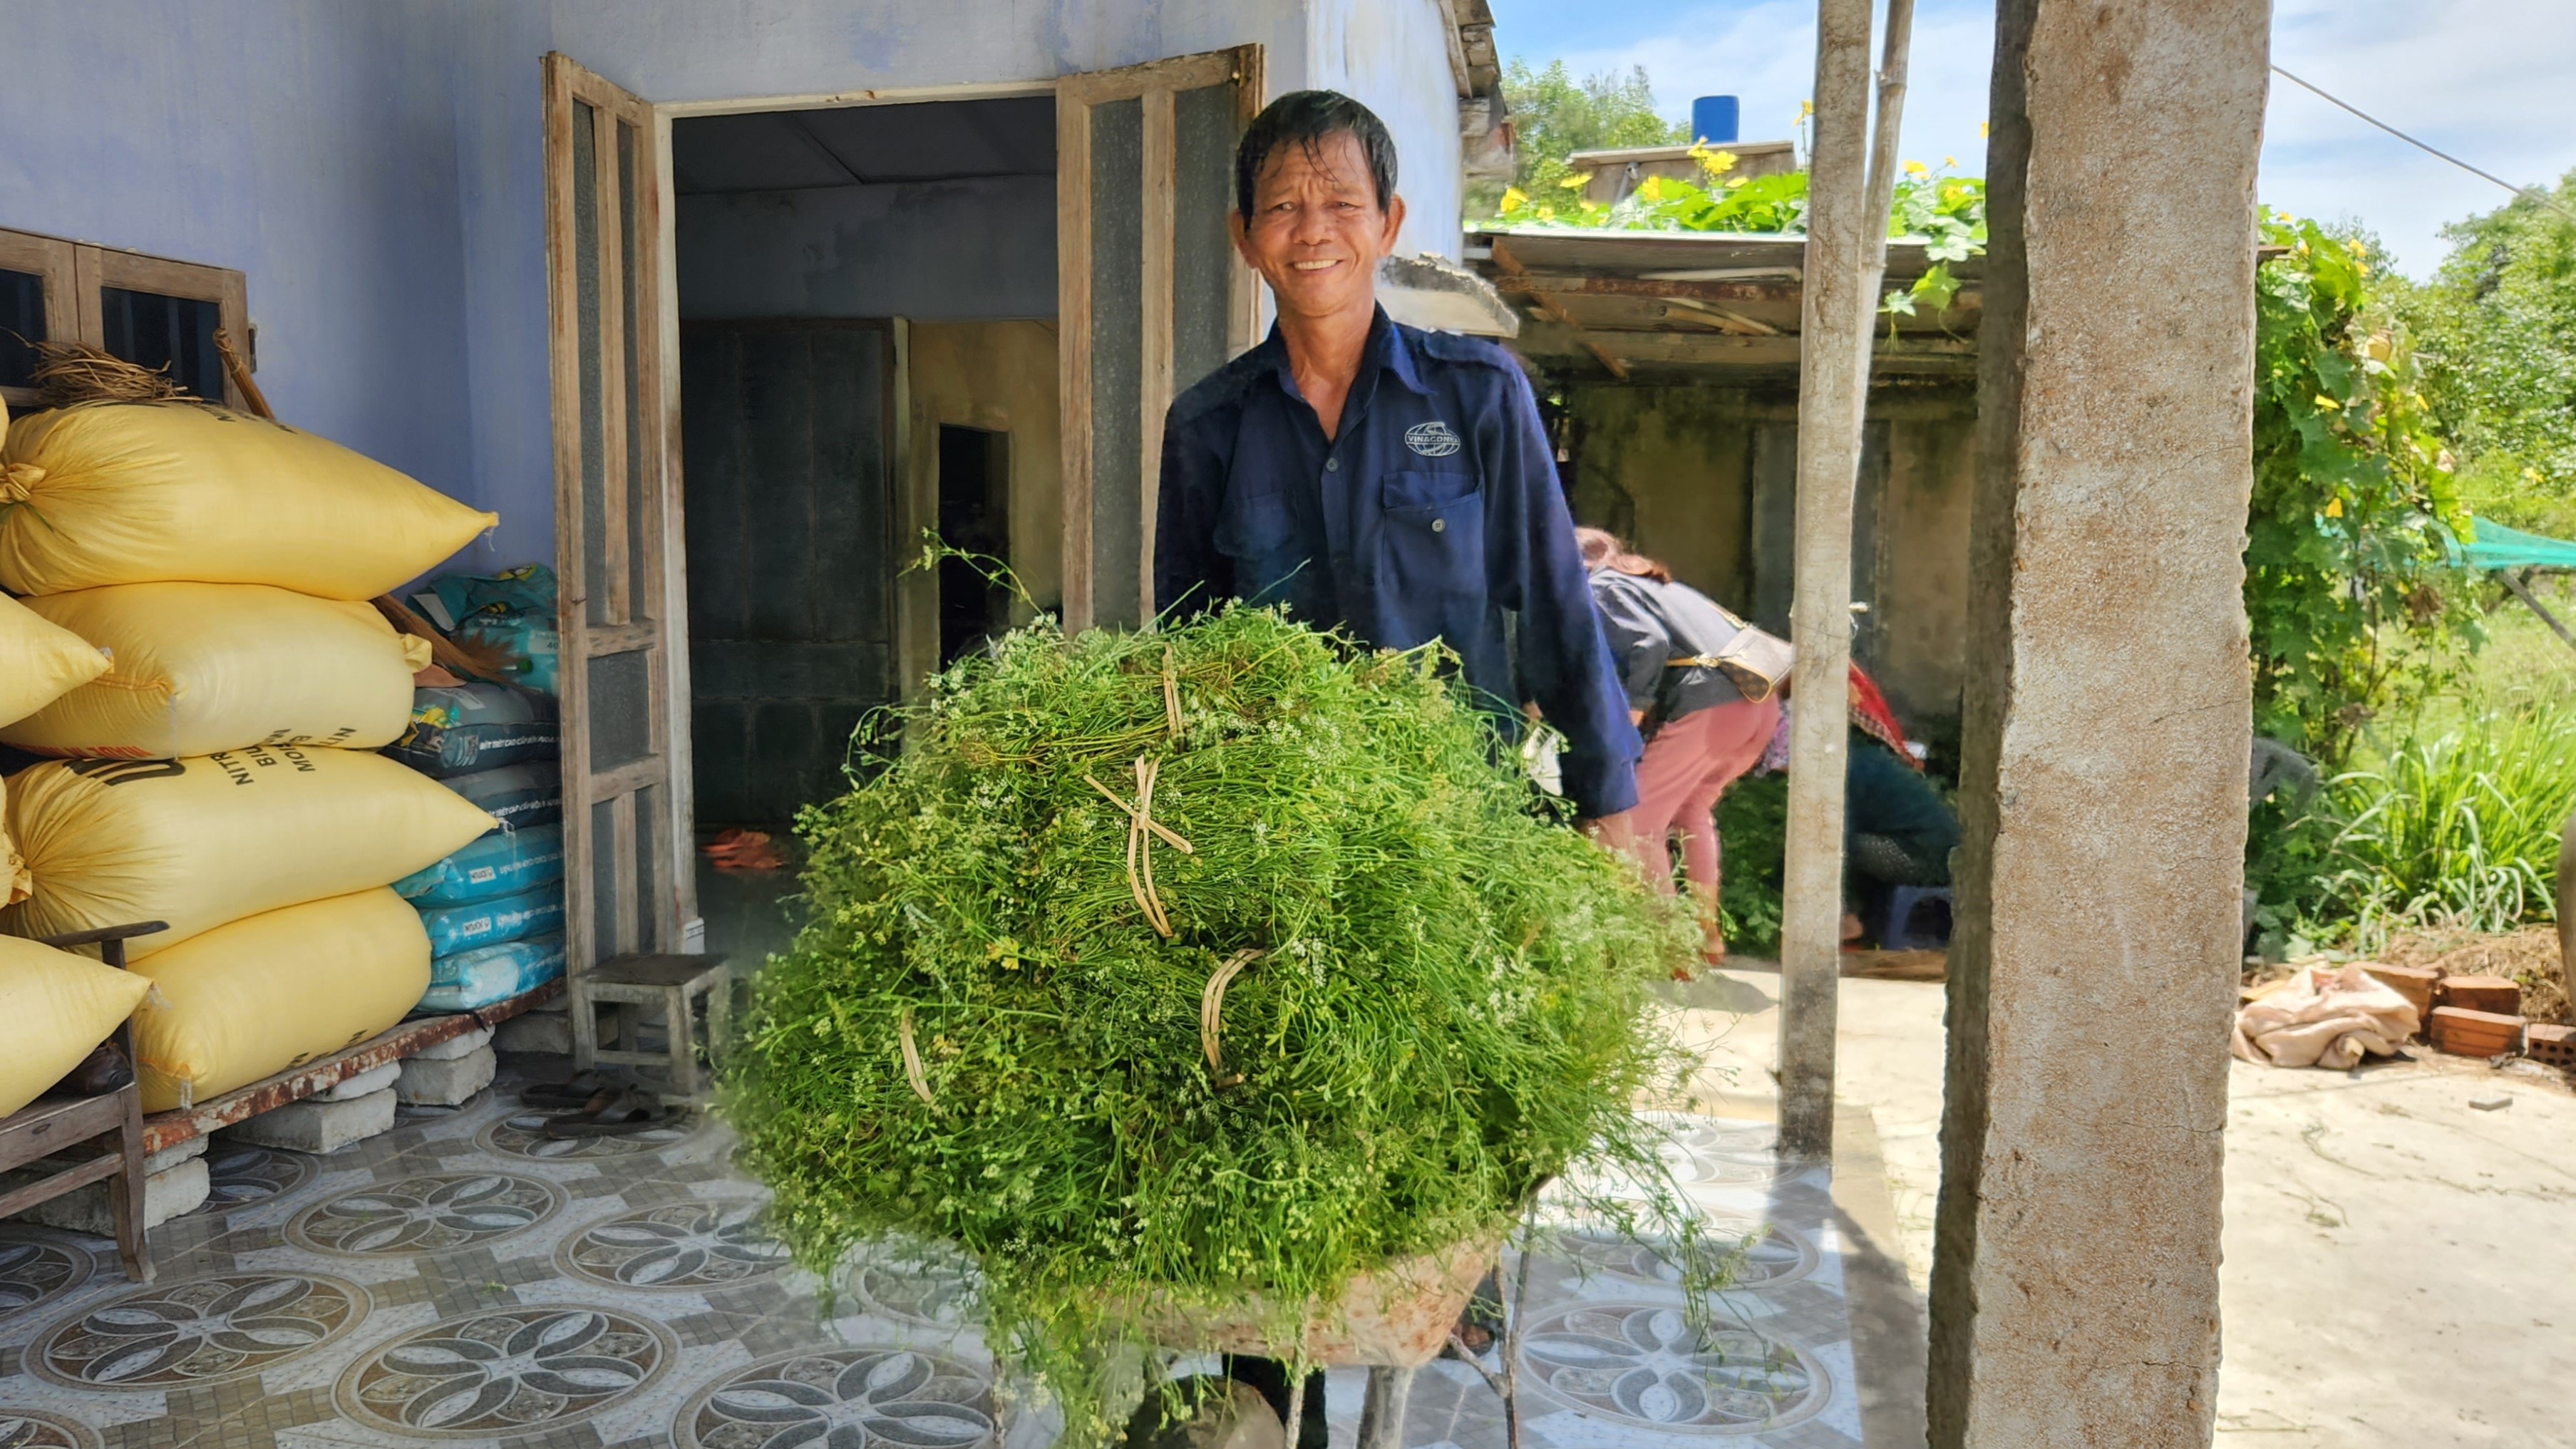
{"x":1701,"y":731}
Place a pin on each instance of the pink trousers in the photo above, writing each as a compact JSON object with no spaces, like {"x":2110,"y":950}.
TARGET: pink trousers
{"x":1688,"y":765}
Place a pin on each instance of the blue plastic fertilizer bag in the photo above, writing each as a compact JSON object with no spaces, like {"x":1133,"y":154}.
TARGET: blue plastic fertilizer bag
{"x":513,"y":611}
{"x":519,"y":796}
{"x":527,"y":589}
{"x":491,"y":923}
{"x":503,"y":863}
{"x":531,"y":638}
{"x":486,"y":974}
{"x":458,"y":729}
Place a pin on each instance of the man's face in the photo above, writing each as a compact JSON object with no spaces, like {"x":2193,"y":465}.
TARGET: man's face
{"x":1317,"y":233}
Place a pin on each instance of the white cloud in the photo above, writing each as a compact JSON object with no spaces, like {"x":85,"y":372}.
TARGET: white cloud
{"x":2487,"y":80}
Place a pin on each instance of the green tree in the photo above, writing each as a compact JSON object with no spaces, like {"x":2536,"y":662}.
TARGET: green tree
{"x":2348,"y":587}
{"x":1555,"y":115}
{"x":2497,"y":325}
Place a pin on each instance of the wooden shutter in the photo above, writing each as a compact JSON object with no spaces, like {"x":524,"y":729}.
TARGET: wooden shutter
{"x":627,"y":859}
{"x":1151,"y":296}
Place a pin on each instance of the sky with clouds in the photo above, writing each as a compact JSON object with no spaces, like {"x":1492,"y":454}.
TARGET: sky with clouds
{"x":2490,"y":81}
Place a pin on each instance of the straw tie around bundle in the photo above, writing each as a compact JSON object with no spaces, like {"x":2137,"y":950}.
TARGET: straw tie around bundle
{"x":72,"y":372}
{"x":912,"y":1071}
{"x":1212,"y":1016}
{"x":1140,"y":853}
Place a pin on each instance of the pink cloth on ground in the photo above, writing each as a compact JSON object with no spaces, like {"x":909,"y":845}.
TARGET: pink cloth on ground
{"x":1688,"y":765}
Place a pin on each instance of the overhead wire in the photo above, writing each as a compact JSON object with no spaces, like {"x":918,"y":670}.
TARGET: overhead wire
{"x":2539,"y":196}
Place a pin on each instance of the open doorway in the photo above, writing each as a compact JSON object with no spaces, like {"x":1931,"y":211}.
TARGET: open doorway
{"x":763,"y":316}
{"x":814,"y":250}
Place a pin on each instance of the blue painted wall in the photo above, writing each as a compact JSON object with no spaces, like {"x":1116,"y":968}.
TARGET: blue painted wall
{"x":309,"y":143}
{"x":375,"y":168}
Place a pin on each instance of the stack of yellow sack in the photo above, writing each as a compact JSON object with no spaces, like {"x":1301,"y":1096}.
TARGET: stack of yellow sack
{"x":215,"y":766}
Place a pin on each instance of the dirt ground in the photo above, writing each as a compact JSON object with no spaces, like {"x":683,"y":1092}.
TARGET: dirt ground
{"x":2398,"y":1261}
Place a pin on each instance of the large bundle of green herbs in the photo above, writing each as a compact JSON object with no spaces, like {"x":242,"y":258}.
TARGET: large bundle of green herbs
{"x":1000,"y":1032}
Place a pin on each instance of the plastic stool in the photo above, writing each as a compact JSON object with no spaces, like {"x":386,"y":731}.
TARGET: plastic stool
{"x":1896,"y":924}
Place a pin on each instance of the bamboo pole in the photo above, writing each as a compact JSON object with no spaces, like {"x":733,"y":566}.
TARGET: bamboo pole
{"x":1836,"y":312}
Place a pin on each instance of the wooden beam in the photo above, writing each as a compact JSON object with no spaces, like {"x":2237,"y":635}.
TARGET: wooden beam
{"x":1735,"y":322}
{"x":1888,"y":355}
{"x":1154,"y":375}
{"x":164,"y":1130}
{"x":1968,"y":299}
{"x":1511,"y":267}
{"x":2522,"y":591}
{"x":1520,"y":281}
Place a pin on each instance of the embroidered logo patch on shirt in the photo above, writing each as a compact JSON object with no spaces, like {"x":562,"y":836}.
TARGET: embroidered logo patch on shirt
{"x":1432,"y":439}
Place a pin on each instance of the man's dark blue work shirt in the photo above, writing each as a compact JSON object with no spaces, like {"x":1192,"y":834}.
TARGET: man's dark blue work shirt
{"x":1433,"y":514}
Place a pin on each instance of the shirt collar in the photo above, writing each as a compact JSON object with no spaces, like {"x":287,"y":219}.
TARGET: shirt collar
{"x":1387,"y":352}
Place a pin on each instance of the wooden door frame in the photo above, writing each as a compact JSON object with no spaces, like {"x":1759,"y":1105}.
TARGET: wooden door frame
{"x":659,"y":622}
{"x":1155,"y":83}
{"x":916,"y":603}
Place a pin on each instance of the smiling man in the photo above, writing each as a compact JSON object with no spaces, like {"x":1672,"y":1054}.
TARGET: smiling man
{"x":1379,"y":478}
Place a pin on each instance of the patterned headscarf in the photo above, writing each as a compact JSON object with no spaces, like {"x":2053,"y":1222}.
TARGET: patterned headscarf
{"x":1870,"y":715}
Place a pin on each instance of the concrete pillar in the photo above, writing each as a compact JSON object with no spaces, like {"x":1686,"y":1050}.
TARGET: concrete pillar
{"x":1835,"y":308}
{"x":2075,"y":1275}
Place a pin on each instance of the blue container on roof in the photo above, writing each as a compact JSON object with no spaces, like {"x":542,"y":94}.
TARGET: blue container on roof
{"x":1715,"y":119}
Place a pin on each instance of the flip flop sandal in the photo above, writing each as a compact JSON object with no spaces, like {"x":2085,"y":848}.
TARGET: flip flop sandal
{"x":622,"y":1115}
{"x":580,"y":1092}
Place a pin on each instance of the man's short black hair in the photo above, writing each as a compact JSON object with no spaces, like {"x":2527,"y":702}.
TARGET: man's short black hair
{"x":1304,"y":119}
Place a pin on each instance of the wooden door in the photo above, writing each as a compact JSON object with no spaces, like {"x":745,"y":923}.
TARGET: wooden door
{"x":628,"y":884}
{"x":1151,"y":296}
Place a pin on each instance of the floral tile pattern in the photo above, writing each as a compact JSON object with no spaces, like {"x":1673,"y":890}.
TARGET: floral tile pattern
{"x":176,"y":1335}
{"x":677,"y":1246}
{"x":433,"y":1213}
{"x":913,"y":1283}
{"x":506,"y":1372}
{"x":848,"y":1399}
{"x":1765,"y":1255}
{"x":1643,"y":1364}
{"x":238,"y":1175}
{"x":37,"y":1268}
{"x":618,"y":1293}
{"x":523,"y":1135}
{"x":27,"y":1429}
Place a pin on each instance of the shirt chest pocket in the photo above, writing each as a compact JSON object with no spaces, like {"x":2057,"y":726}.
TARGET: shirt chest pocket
{"x":1434,"y":530}
{"x":1255,"y":525}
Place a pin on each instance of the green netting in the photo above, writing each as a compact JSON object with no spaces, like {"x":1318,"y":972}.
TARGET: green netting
{"x":2499,"y":547}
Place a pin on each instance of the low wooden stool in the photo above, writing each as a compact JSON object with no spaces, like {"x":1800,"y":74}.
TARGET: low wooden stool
{"x":49,"y":1124}
{"x":632,"y":981}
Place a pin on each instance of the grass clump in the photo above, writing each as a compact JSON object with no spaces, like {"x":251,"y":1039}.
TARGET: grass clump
{"x":1451,"y":1007}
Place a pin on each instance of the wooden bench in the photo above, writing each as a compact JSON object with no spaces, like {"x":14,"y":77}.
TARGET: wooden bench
{"x":49,"y":1125}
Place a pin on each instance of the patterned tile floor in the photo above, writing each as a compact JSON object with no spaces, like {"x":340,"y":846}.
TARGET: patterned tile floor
{"x":464,"y":1280}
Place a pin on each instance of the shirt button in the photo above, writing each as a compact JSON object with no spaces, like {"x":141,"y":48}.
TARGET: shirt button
{"x":1332,"y":465}
{"x":1440,"y":525}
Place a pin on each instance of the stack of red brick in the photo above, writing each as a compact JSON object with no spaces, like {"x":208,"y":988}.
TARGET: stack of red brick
{"x":2477,"y":1016}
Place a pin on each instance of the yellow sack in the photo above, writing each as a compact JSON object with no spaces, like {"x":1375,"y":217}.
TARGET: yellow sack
{"x":39,"y":661}
{"x":198,"y":668}
{"x":200,"y":842}
{"x":15,"y":883}
{"x":276,"y":990}
{"x":128,"y":493}
{"x":54,"y":1007}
